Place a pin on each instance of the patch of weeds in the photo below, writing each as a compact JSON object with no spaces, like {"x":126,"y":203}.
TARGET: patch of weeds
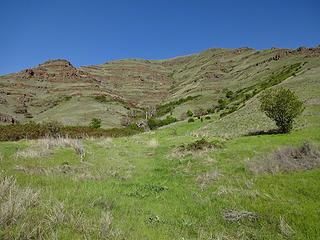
{"x":285,"y":229}
{"x":201,"y":144}
{"x":102,"y":203}
{"x":207,"y":178}
{"x":44,"y":147}
{"x":168,"y":107}
{"x":106,"y":230}
{"x":153,"y":143}
{"x":236,"y":216}
{"x":287,"y":159}
{"x":155,"y":219}
{"x":15,"y":202}
{"x":101,"y":99}
{"x":142,"y":191}
{"x":67,"y":98}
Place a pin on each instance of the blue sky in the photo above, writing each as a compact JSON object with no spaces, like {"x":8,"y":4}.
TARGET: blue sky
{"x":96,"y":31}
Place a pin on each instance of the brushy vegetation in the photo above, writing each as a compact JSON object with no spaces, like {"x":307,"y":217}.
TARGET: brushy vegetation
{"x":36,"y":130}
{"x":236,"y":100}
{"x":201,"y":144}
{"x":95,"y":123}
{"x":190,"y":120}
{"x":189,"y":113}
{"x":288,"y":159}
{"x":101,"y":98}
{"x":282,"y":106}
{"x":154,"y":123}
{"x":168,"y":107}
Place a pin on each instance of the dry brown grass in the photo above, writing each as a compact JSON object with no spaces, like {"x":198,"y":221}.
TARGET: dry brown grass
{"x":44,"y":147}
{"x":153,"y":143}
{"x":235,"y":216}
{"x":287,"y":159}
{"x":14,"y":201}
{"x":24,"y":216}
{"x":106,"y":225}
{"x":208,"y":178}
{"x":285,"y":229}
{"x":77,"y":173}
{"x":105,"y":142}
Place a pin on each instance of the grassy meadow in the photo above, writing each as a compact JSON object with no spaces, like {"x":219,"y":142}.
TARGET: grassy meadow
{"x":147,"y":186}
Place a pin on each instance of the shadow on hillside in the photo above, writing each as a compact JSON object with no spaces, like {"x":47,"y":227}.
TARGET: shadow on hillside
{"x":269,"y":132}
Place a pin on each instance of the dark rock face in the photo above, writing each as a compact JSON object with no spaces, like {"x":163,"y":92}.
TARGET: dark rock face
{"x":29,"y":72}
{"x":54,"y":70}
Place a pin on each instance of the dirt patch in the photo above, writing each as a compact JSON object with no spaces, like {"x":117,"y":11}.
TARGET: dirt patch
{"x":287,"y":159}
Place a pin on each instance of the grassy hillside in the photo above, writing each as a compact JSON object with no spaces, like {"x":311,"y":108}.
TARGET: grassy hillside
{"x":222,"y":177}
{"x":165,"y":184}
{"x":56,"y":89}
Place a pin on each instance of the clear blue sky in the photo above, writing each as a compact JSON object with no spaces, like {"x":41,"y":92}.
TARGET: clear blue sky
{"x":96,"y":31}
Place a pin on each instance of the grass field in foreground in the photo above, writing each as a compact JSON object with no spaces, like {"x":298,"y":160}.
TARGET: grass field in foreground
{"x":142,"y":187}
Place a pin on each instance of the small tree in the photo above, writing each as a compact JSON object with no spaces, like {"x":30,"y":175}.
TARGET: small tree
{"x":95,"y":123}
{"x":189,"y":113}
{"x":282,"y":106}
{"x":229,"y":94}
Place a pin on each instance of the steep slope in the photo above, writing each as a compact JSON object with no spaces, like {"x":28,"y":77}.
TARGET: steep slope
{"x":55,"y":90}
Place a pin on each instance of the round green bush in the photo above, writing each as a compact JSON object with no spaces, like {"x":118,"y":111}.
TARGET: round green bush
{"x":190,"y":120}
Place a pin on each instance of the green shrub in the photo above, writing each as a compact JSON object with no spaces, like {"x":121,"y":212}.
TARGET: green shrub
{"x":222,"y":103}
{"x":189,"y":113}
{"x":168,"y":107}
{"x":211,"y":110}
{"x":229,"y":94}
{"x":100,"y":98}
{"x":154,"y":123}
{"x":207,"y":117}
{"x":67,"y":98}
{"x":201,"y":144}
{"x":95,"y":123}
{"x":282,"y":106}
{"x":190,"y":120}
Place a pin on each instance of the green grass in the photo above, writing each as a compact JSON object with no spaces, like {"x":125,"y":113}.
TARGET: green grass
{"x":154,"y":194}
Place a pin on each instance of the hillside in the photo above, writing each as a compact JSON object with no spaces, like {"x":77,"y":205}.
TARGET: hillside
{"x":223,"y":176}
{"x":56,"y":90}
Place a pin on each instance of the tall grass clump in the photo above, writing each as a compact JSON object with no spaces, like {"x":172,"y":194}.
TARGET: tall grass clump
{"x":14,"y":201}
{"x":304,"y":157}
